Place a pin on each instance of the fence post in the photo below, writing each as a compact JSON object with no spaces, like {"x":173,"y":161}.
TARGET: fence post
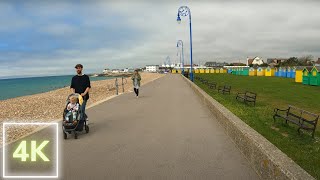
{"x":122,"y":85}
{"x":117,"y":86}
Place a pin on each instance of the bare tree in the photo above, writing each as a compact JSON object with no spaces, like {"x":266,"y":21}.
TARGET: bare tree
{"x":306,"y":60}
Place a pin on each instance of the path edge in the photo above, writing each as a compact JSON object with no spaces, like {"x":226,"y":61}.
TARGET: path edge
{"x":267,"y":160}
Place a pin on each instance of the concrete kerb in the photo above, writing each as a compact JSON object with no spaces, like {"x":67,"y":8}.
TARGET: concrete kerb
{"x":267,"y":160}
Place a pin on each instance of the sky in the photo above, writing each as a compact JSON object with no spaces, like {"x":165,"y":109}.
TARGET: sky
{"x":39,"y":38}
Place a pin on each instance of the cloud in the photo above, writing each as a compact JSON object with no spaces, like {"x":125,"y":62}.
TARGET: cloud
{"x":58,"y":29}
{"x":113,"y":34}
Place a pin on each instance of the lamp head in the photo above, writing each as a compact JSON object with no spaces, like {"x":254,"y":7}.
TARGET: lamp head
{"x":178,"y":19}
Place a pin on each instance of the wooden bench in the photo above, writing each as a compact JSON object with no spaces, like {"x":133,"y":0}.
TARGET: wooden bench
{"x":224,"y":89}
{"x":304,"y":119}
{"x":212,"y":85}
{"x":247,"y":97}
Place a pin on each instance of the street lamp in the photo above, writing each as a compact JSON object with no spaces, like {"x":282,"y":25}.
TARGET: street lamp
{"x":185,"y":11}
{"x":180,"y":43}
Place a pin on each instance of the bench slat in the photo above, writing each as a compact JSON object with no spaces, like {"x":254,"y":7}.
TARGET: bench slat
{"x":295,"y":116}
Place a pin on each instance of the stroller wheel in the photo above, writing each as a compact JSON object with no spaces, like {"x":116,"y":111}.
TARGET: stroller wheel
{"x":87,"y":128}
{"x":65,"y":136}
{"x":75,"y":135}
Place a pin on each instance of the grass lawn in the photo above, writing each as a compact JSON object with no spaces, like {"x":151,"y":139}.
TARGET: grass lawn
{"x":274,"y":92}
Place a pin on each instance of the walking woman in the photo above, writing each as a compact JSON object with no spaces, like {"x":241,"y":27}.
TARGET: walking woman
{"x":136,"y":78}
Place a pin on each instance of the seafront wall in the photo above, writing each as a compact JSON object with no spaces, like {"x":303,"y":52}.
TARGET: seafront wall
{"x":267,"y":160}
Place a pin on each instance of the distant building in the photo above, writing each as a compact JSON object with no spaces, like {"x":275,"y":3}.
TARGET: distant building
{"x":125,"y":70}
{"x":237,"y":64}
{"x":255,"y":61}
{"x":275,"y":61}
{"x":115,"y":71}
{"x":215,"y":64}
{"x":106,"y":71}
{"x":168,"y":65}
{"x":152,"y":68}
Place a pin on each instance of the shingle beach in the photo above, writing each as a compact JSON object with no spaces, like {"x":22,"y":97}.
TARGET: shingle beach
{"x":48,"y":106}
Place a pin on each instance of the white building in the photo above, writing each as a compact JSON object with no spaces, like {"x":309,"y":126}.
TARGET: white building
{"x":126,"y":70}
{"x":152,"y":68}
{"x":255,"y":61}
{"x":115,"y":71}
{"x":106,"y":71}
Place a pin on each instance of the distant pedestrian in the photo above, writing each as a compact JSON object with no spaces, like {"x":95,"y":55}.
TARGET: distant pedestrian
{"x":136,"y":78}
{"x":81,"y":84}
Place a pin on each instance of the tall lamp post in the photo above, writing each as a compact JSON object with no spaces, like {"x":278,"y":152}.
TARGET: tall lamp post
{"x":185,"y":11}
{"x":180,"y":43}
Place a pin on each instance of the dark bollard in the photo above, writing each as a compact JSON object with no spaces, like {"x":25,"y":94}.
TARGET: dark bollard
{"x":186,"y":74}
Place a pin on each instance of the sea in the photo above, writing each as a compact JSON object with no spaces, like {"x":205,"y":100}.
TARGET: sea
{"x":11,"y":88}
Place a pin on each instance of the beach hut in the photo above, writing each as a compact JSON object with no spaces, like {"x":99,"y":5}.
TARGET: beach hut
{"x":217,"y":70}
{"x":173,"y":71}
{"x":269,"y":71}
{"x":298,"y":74}
{"x":196,"y":71}
{"x":207,"y":70}
{"x":222,"y":70}
{"x":315,"y":76}
{"x":179,"y":71}
{"x":280,"y":72}
{"x":260,"y":71}
{"x":305,"y":76}
{"x":201,"y":70}
{"x":252,"y":71}
{"x":276,"y":72}
{"x":229,"y":70}
{"x":234,"y":71}
{"x":211,"y":70}
{"x":245,"y":71}
{"x":283,"y":72}
{"x":239,"y":72}
{"x":289,"y":72}
{"x":293,"y":72}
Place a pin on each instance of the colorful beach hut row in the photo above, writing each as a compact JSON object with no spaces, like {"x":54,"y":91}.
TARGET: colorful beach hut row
{"x":202,"y":70}
{"x":304,"y":75}
{"x":261,"y":71}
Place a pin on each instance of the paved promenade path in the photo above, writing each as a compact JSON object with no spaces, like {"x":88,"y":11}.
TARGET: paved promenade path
{"x":167,"y":133}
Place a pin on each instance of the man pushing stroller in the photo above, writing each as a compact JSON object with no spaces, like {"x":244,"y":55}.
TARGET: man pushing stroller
{"x":81,"y":84}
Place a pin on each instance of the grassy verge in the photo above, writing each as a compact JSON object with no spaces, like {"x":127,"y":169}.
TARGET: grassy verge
{"x":274,"y":92}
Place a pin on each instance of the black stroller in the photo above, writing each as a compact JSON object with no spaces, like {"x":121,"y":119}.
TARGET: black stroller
{"x":74,"y":122}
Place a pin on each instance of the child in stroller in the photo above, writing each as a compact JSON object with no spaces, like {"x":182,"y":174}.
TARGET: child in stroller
{"x":72,"y":108}
{"x":73,"y":117}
